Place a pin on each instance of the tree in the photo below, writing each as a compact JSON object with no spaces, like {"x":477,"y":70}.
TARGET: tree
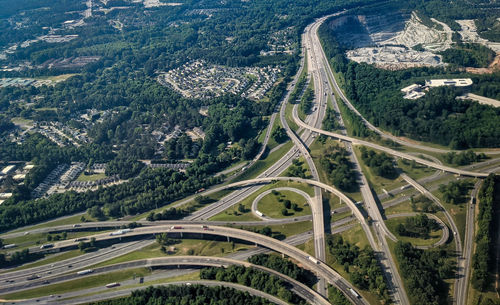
{"x":279,"y":134}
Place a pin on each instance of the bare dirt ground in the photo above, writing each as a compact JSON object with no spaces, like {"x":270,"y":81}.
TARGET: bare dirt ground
{"x":469,"y":34}
{"x":390,"y":47}
{"x":493,"y":67}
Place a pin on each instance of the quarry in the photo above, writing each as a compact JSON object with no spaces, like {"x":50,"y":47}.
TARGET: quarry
{"x":399,"y":41}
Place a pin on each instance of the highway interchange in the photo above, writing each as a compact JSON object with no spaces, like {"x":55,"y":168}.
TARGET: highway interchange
{"x":325,"y":86}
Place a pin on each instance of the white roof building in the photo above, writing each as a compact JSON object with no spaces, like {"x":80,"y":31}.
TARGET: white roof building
{"x":456,"y":82}
{"x":5,"y":195}
{"x":411,"y":88}
{"x":7,"y":169}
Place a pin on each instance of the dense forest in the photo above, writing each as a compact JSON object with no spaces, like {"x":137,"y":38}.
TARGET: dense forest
{"x":424,"y":272}
{"x":253,"y":278}
{"x":361,"y":265}
{"x":438,"y":117}
{"x":284,"y":266}
{"x":335,"y":162}
{"x":455,"y":192}
{"x":380,"y":163}
{"x":150,"y":190}
{"x":469,"y":55}
{"x":419,"y":226}
{"x":187,"y":294}
{"x":483,"y":259}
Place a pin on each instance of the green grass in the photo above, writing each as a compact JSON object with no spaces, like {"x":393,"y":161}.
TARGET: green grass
{"x":54,"y":258}
{"x":199,"y":246}
{"x":403,"y":207}
{"x":21,"y":121}
{"x":286,"y":230}
{"x":271,"y":207}
{"x":378,"y":183}
{"x":272,"y":143}
{"x":232,"y":213}
{"x":58,"y":78}
{"x":434,"y":236}
{"x":308,"y":247}
{"x":261,"y":165}
{"x":316,"y":151}
{"x":417,"y":172}
{"x":29,"y":240}
{"x":92,"y":177}
{"x":60,"y":222}
{"x":289,"y":117}
{"x":338,"y":216}
{"x":75,"y":285}
{"x":357,"y":237}
{"x":193,"y":276}
{"x":457,"y":211}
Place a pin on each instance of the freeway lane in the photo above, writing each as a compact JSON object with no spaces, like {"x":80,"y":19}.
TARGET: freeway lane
{"x":317,"y":200}
{"x":302,"y":290}
{"x":75,"y":263}
{"x":81,"y":262}
{"x":444,"y":227}
{"x":126,"y":292}
{"x":320,"y":268}
{"x":390,"y":272}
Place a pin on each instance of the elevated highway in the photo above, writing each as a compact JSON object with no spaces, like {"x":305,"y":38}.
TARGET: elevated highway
{"x":302,"y":290}
{"x":317,"y":267}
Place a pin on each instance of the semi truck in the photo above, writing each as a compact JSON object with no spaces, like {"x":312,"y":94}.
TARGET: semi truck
{"x":83,"y":272}
{"x":312,"y":259}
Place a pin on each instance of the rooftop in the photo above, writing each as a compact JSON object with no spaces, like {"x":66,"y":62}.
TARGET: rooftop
{"x":457,"y":82}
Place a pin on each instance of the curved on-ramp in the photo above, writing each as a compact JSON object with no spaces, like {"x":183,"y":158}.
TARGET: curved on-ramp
{"x":388,"y":150}
{"x":263,"y":194}
{"x":444,"y":227}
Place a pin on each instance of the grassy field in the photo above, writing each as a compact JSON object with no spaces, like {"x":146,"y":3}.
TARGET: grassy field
{"x":196,"y":247}
{"x":434,"y":236}
{"x":403,"y":207}
{"x":377,"y":182}
{"x":75,"y":285}
{"x":193,"y":276}
{"x":58,"y":78}
{"x":308,"y":247}
{"x":357,"y":237}
{"x":416,"y":172}
{"x":457,"y":211}
{"x":272,"y":143}
{"x":60,"y":222}
{"x":92,"y":177}
{"x":271,"y":206}
{"x":261,"y":165}
{"x":22,"y":121}
{"x":30,"y":240}
{"x":232,"y":213}
{"x":289,"y":117}
{"x":316,"y":150}
{"x":54,"y":258}
{"x":283,"y":231}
